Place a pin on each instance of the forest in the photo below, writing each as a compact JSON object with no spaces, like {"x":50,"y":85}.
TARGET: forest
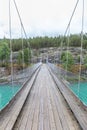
{"x":43,"y":42}
{"x":23,"y":48}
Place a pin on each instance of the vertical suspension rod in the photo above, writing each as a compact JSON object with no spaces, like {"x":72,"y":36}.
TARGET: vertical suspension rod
{"x":22,"y":49}
{"x":81,"y":46}
{"x":10,"y":42}
{"x":67,"y":58}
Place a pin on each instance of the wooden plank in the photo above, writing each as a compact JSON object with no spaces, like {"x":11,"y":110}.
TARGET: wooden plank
{"x":56,"y":114}
{"x":59,"y":107}
{"x":31,"y":115}
{"x":67,"y":117}
{"x":43,"y":114}
{"x":45,"y":108}
{"x":40,"y":127}
{"x":35,"y":120}
{"x":9,"y":120}
{"x":50,"y":109}
{"x":29,"y":123}
{"x":36,"y":110}
{"x":22,"y":119}
{"x":32,"y":121}
{"x":74,"y":104}
{"x":46,"y":122}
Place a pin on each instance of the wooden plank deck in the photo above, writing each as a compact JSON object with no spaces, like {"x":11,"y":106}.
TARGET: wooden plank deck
{"x":10,"y":114}
{"x":45,"y":107}
{"x":78,"y":109}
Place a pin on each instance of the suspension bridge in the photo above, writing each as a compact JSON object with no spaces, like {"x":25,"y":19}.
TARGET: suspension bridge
{"x":45,"y":100}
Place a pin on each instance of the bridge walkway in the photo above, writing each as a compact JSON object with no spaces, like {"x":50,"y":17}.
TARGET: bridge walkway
{"x":45,"y":107}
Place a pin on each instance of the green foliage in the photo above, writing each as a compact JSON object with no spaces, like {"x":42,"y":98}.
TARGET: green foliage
{"x":4,"y":52}
{"x":17,"y":44}
{"x":78,"y":58}
{"x":75,"y":40}
{"x":85,"y":61}
{"x":42,"y":42}
{"x":85,"y":44}
{"x":26,"y":54}
{"x":62,"y":55}
{"x":67,"y":60}
{"x":20,"y":58}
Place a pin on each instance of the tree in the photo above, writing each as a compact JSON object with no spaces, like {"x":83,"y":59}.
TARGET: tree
{"x":78,"y":58}
{"x":75,"y":40}
{"x":85,"y":44}
{"x":4,"y":53}
{"x":67,"y":60}
{"x":27,"y":56}
{"x":85,"y":61}
{"x":20,"y":58}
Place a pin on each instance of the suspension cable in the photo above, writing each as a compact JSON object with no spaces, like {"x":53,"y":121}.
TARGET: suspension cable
{"x":10,"y":42}
{"x":22,"y":26}
{"x":71,"y":17}
{"x":61,"y":50}
{"x":69,"y":25}
{"x":67,"y":56}
{"x":20,"y":18}
{"x":81,"y":54}
{"x":22,"y":50}
{"x":21,"y":21}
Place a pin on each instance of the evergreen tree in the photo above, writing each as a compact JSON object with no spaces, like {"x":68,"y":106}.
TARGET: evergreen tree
{"x":67,"y":60}
{"x":4,"y":53}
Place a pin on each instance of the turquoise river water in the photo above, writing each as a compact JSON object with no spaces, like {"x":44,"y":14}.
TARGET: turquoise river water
{"x":6,"y":94}
{"x":80,"y":91}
